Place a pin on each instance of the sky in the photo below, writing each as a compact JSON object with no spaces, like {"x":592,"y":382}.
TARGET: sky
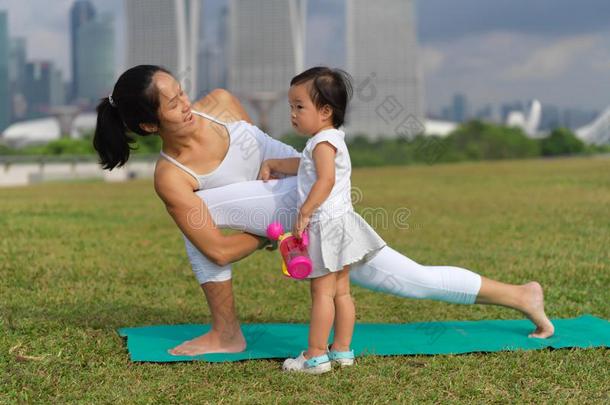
{"x":493,"y":51}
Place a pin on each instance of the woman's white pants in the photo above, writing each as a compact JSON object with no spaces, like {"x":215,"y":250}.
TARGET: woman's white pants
{"x":251,"y":206}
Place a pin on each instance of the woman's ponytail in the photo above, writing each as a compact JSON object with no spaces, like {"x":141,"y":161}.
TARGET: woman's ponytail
{"x":111,"y":140}
{"x":134,"y":101}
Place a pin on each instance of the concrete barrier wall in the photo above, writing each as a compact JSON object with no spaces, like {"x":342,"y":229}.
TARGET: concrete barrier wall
{"x":23,"y":174}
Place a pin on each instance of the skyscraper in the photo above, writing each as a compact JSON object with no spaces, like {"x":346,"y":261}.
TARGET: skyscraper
{"x":5,"y":107}
{"x":212,"y":55}
{"x":16,"y":62}
{"x":16,"y":73}
{"x":95,"y":53}
{"x":81,"y":12}
{"x":43,"y":87}
{"x":210,"y":68}
{"x":459,"y":108}
{"x":382,"y":58}
{"x":166,"y":33}
{"x":266,"y":49}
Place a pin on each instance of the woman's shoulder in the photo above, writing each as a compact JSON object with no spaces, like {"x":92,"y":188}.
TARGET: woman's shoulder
{"x":214,"y":97}
{"x":170,"y":181}
{"x":222,"y":104}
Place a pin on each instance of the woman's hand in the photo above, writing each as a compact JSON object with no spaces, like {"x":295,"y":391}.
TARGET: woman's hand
{"x":267,"y":171}
{"x":301,"y":224}
{"x":270,"y":168}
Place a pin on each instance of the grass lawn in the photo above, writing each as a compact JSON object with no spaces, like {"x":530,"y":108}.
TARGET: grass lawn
{"x":79,"y":260}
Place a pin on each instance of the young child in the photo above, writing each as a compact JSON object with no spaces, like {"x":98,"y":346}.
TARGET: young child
{"x":338,"y":237}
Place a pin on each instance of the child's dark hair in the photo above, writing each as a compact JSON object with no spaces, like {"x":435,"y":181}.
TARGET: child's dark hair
{"x":134,"y":100}
{"x":331,"y":87}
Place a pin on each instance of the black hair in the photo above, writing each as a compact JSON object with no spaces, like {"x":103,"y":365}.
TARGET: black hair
{"x":134,"y":100}
{"x":332,"y":87}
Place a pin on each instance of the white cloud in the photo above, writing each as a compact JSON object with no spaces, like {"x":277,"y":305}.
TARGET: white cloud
{"x":504,"y":66}
{"x":553,"y":60}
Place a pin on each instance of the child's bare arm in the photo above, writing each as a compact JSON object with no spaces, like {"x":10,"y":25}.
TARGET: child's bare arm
{"x":324,"y":159}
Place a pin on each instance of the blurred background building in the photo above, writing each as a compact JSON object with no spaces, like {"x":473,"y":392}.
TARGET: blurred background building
{"x":81,"y":12}
{"x":95,"y":55}
{"x":213,"y":50}
{"x":166,"y":33}
{"x":5,"y":107}
{"x":383,"y":61}
{"x":16,"y":70}
{"x":44,"y":88}
{"x":266,"y":45}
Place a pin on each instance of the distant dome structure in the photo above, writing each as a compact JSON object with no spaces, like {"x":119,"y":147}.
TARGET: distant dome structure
{"x":439,"y":128}
{"x":530,"y":123}
{"x":43,"y":130}
{"x":598,"y":131}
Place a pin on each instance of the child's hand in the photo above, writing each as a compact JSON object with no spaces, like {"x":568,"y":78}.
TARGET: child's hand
{"x":300,"y":225}
{"x":266,"y":171}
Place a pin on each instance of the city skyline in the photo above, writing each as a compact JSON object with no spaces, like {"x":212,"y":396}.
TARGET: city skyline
{"x":491,"y":52}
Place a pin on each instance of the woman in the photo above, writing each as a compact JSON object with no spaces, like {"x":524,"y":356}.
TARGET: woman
{"x":215,"y":136}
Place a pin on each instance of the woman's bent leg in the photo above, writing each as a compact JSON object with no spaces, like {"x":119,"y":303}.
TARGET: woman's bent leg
{"x":245,"y":209}
{"x":225,"y":335}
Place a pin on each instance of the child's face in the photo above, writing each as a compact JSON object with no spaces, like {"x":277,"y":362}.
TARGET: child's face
{"x":305,"y":117}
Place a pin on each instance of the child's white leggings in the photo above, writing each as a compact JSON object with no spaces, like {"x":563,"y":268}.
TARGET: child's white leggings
{"x":251,"y":206}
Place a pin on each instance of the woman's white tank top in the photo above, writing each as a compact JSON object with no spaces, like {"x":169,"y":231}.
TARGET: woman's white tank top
{"x":248,"y":148}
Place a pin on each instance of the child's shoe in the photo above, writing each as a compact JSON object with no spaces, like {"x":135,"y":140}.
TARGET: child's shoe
{"x":315,"y":365}
{"x":344,"y":359}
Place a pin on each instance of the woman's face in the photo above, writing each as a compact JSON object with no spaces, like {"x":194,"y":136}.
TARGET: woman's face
{"x":174,"y":105}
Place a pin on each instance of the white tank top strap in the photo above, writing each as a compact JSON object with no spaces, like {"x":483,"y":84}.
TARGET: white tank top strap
{"x":210,"y":117}
{"x":181,"y":166}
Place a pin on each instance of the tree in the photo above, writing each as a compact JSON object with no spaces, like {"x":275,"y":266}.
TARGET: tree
{"x":561,"y":142}
{"x":477,"y":140}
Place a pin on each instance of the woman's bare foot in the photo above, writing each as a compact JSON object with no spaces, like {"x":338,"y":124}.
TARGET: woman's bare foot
{"x":533,"y":308}
{"x":211,"y":342}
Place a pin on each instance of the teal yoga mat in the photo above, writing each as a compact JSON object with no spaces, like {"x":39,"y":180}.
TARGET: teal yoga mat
{"x":281,"y":340}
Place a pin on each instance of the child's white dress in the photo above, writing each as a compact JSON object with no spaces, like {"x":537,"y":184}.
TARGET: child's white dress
{"x":338,"y":236}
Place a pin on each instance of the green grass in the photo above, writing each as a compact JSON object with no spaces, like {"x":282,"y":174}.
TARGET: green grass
{"x":78,"y":261}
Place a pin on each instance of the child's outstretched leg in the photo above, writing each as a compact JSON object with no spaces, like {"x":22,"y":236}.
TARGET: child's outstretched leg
{"x":345,"y":318}
{"x":315,"y":360}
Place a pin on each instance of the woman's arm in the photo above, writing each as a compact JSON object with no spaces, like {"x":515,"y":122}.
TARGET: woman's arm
{"x":285,"y":166}
{"x":191,"y":215}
